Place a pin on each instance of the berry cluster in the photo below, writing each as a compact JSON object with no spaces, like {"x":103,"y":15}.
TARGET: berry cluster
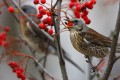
{"x":46,"y":21}
{"x":81,"y":9}
{"x":17,"y":69}
{"x":3,"y":36}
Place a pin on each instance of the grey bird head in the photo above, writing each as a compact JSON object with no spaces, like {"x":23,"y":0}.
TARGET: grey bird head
{"x":78,"y":24}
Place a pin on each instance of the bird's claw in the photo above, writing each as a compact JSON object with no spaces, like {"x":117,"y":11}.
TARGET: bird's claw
{"x":93,"y":69}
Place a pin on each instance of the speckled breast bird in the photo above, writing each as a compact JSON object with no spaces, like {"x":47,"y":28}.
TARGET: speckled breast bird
{"x":89,"y":42}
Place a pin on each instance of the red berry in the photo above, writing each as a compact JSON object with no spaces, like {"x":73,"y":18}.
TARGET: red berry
{"x":7,"y":29}
{"x":48,"y":13}
{"x":13,"y":64}
{"x":77,"y":3}
{"x":21,"y":70}
{"x":87,"y":21}
{"x":78,"y":8}
{"x":69,"y":24}
{"x":43,"y":1}
{"x":39,"y":16}
{"x":85,"y":12}
{"x":49,"y":20}
{"x":11,"y":9}
{"x":85,"y":17}
{"x":71,"y":4}
{"x":42,"y":11}
{"x":40,"y":7}
{"x":23,"y":77}
{"x":36,"y":1}
{"x":77,"y":15}
{"x":50,"y":31}
{"x":93,"y":2}
{"x":14,"y":70}
{"x":3,"y":35}
{"x":83,"y":7}
{"x":42,"y":25}
{"x":88,"y":5}
{"x":44,"y":21}
{"x":19,"y":74}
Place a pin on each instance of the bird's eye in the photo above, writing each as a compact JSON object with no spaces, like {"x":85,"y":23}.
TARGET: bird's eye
{"x":75,"y":22}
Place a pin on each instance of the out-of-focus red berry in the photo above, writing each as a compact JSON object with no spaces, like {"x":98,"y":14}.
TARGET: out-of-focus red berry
{"x":92,"y":2}
{"x":40,"y":7}
{"x":36,"y":1}
{"x":71,"y":4}
{"x":78,"y":8}
{"x":85,"y":17}
{"x":11,"y":9}
{"x":3,"y":35}
{"x":44,"y":21}
{"x":19,"y":74}
{"x":42,"y":11}
{"x":77,"y":15}
{"x":7,"y":29}
{"x":83,"y":7}
{"x":43,"y":1}
{"x":42,"y":25}
{"x":13,"y":64}
{"x":76,"y":12}
{"x":50,"y":31}
{"x":49,"y":20}
{"x":48,"y":13}
{"x":39,"y":16}
{"x":88,"y":5}
{"x":85,"y":12}
{"x":87,"y":21}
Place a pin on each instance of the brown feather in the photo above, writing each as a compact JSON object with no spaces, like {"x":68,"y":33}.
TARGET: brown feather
{"x":96,"y":38}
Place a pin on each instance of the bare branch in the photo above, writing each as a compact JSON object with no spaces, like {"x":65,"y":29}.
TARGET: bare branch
{"x":113,"y":48}
{"x":56,"y":24}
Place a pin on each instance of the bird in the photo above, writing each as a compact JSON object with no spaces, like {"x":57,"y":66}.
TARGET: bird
{"x":88,"y":41}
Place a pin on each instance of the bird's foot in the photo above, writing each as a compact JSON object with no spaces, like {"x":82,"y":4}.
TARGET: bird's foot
{"x":93,"y":69}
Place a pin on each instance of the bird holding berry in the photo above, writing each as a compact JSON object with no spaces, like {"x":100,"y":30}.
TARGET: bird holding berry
{"x":87,"y":41}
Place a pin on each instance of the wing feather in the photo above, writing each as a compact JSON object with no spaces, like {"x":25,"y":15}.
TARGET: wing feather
{"x":96,"y":38}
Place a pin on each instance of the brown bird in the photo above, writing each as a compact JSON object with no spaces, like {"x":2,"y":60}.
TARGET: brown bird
{"x":89,"y":42}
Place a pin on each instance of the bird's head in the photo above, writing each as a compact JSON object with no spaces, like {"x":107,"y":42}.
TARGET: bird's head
{"x":77,"y":24}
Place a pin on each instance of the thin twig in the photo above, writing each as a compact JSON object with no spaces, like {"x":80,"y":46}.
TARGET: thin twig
{"x":55,"y":4}
{"x":44,"y":70}
{"x":113,"y":48}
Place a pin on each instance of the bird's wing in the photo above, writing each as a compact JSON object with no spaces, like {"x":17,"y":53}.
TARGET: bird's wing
{"x":96,"y":38}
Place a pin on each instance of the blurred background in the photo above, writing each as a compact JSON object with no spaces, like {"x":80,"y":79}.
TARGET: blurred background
{"x":103,"y":17}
